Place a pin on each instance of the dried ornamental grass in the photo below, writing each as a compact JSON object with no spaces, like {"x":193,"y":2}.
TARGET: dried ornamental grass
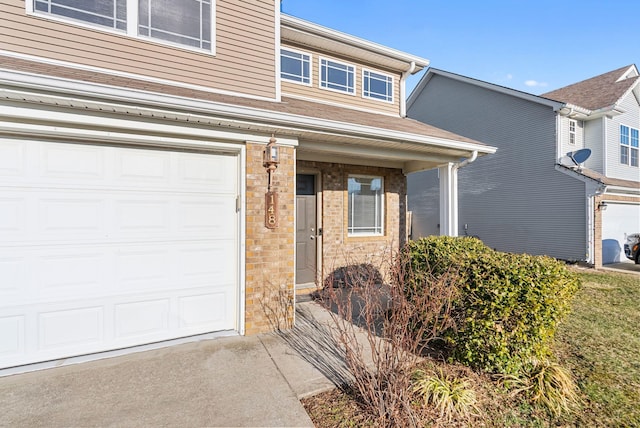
{"x":451,"y":396}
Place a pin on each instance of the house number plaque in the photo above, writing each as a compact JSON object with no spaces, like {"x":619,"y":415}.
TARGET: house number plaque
{"x":271,"y":210}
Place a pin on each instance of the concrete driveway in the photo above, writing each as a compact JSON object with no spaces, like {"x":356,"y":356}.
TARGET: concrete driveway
{"x":234,"y":381}
{"x":625,"y":266}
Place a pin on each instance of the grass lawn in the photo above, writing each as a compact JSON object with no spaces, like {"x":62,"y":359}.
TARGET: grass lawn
{"x":599,"y":342}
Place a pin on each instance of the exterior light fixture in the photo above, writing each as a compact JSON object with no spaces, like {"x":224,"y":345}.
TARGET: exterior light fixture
{"x":270,"y":160}
{"x":602,"y":206}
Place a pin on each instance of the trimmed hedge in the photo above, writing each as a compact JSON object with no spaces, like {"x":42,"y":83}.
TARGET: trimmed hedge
{"x":507,"y":306}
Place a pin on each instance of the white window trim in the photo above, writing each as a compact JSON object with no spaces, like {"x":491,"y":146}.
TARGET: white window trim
{"x":382,"y":207}
{"x":369,"y":97}
{"x":573,"y":132}
{"x":132,"y":25}
{"x":285,"y":48}
{"x":320,"y":59}
{"x":629,"y":146}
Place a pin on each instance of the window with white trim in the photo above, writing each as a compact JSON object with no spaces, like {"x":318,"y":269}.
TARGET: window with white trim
{"x":366,"y":205}
{"x":572,"y":132}
{"x":337,"y":76}
{"x":295,"y":66}
{"x":184,"y":23}
{"x":629,"y":145}
{"x":377,"y":86}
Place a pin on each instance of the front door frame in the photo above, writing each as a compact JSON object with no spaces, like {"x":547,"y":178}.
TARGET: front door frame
{"x":319,"y":225}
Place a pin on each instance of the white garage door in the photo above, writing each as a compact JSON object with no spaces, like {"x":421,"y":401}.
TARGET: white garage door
{"x":618,"y":220}
{"x":106,"y":247}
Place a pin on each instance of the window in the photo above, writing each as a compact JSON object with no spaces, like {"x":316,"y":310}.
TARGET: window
{"x":572,"y":132}
{"x":366,"y":205}
{"x":295,"y":66}
{"x":185,"y":23}
{"x":337,"y":76}
{"x":629,"y":145}
{"x":377,"y":86}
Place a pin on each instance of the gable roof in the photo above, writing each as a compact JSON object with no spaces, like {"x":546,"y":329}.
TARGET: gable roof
{"x":600,"y":91}
{"x":424,"y":81}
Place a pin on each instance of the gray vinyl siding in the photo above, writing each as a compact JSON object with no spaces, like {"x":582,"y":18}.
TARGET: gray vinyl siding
{"x":514,"y":200}
{"x":594,"y":140}
{"x":631,"y":118}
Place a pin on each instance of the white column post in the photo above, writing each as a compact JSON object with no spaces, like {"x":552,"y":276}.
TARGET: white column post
{"x":449,"y":199}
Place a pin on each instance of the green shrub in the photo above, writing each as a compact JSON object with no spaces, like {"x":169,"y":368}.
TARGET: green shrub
{"x":507,"y":306}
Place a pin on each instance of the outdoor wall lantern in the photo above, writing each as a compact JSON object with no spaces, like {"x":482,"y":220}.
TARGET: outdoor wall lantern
{"x":270,"y":160}
{"x":602,"y":206}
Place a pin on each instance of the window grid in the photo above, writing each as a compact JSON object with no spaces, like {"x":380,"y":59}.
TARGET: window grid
{"x":337,"y":76}
{"x":365,"y":206}
{"x":295,"y":66}
{"x":187,"y":23}
{"x":108,"y":13}
{"x":629,"y":146}
{"x":572,"y":132}
{"x":377,"y":86}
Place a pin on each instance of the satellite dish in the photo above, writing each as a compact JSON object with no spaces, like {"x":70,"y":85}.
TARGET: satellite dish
{"x":573,"y":159}
{"x":580,"y":156}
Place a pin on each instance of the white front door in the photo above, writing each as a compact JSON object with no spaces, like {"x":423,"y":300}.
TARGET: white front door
{"x":105,"y":247}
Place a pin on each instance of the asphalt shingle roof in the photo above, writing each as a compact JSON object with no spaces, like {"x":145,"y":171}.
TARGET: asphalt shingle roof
{"x":597,"y":92}
{"x":294,"y":106}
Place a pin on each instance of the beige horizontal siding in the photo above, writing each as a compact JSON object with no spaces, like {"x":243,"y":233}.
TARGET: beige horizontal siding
{"x":357,"y":100}
{"x":244,"y":60}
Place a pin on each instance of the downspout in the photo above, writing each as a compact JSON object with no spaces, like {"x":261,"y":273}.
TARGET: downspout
{"x":449,"y":196}
{"x":467,"y":161}
{"x":403,"y":88}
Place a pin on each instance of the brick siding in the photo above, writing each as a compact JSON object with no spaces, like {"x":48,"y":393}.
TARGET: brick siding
{"x":338,"y":249}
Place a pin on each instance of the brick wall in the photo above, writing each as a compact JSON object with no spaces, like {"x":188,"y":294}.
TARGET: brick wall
{"x":338,"y":249}
{"x":269,"y":252}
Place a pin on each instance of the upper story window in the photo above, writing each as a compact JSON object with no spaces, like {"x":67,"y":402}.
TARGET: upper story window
{"x":185,"y":23}
{"x":295,"y":66}
{"x":572,"y":132}
{"x":377,"y":86}
{"x":337,"y":76}
{"x":629,"y":145}
{"x":366,"y":205}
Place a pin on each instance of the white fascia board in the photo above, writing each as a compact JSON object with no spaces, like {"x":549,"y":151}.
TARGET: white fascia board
{"x":310,"y":27}
{"x":208,"y":109}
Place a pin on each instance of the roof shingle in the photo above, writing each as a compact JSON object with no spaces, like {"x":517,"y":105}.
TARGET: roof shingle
{"x":597,"y":92}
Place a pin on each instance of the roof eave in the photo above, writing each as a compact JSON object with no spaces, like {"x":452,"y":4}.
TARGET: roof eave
{"x":338,"y":36}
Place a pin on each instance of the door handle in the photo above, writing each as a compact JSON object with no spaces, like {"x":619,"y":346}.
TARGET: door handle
{"x":312,"y":237}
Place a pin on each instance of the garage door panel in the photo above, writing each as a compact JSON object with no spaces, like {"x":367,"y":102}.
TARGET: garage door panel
{"x":200,"y":172}
{"x":618,"y":220}
{"x":64,"y":162}
{"x":12,"y":331}
{"x":132,"y":246}
{"x":12,"y":159}
{"x":71,"y":328}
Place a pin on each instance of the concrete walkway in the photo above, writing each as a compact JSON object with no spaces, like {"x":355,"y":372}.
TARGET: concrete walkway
{"x":233,"y":381}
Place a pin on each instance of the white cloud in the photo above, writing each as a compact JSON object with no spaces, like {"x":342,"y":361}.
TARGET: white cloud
{"x":509,"y":76}
{"x":535,"y":84}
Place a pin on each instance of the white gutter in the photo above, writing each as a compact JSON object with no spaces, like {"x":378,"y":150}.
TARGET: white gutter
{"x":210,"y":108}
{"x":339,"y":36}
{"x":403,"y":88}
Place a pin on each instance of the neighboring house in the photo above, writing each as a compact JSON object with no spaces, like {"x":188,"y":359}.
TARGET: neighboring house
{"x":133,"y":190}
{"x":530,"y":196}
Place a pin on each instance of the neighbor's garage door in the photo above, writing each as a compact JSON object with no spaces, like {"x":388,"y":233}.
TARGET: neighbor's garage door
{"x":106,"y":247}
{"x":618,"y":220}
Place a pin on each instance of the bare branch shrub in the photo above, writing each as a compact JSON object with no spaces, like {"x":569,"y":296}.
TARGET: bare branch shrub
{"x":278,"y":307}
{"x":384,"y":333}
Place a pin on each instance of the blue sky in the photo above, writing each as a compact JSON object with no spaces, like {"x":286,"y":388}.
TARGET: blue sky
{"x":532,"y":46}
